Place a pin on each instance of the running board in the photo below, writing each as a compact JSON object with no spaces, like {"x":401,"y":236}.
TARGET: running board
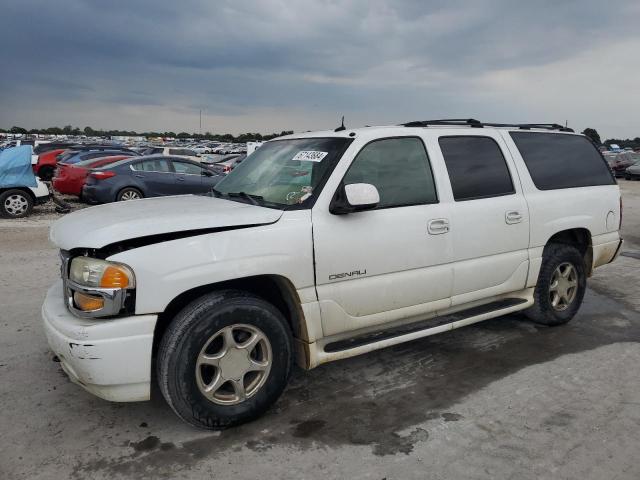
{"x":422,"y":328}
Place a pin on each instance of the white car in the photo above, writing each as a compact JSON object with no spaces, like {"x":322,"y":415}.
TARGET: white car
{"x":18,"y":202}
{"x":325,"y":245}
{"x":173,"y":151}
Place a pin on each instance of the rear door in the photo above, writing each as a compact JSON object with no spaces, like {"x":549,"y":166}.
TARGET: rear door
{"x":154,"y":176}
{"x":490,"y":217}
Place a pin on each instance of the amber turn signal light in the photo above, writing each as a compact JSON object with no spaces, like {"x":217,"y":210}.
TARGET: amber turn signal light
{"x":87,"y":303}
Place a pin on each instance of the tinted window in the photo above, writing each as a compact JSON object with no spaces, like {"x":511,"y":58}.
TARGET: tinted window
{"x":476,"y":166}
{"x":562,"y":161}
{"x":399,"y":168}
{"x":152,"y":165}
{"x":188,"y":168}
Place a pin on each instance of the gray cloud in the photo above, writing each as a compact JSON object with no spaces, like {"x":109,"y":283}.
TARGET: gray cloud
{"x":278,"y":64}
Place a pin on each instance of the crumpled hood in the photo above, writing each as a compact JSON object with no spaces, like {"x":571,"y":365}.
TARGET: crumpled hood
{"x":96,"y":227}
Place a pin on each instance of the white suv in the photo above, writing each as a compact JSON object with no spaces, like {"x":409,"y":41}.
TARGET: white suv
{"x":325,"y":245}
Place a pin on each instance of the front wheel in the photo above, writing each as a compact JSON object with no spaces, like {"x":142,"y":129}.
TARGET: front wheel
{"x":561,"y":285}
{"x":225,"y":359}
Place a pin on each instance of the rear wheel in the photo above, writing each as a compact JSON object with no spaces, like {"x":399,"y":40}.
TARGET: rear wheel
{"x":129,"y":193}
{"x":561,"y":286}
{"x":15,"y":204}
{"x":225,"y":359}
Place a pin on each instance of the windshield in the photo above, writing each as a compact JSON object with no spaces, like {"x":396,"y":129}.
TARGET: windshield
{"x":284,"y":173}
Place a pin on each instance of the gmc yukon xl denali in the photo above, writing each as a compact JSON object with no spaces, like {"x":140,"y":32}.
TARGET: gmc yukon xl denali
{"x":321,"y":246}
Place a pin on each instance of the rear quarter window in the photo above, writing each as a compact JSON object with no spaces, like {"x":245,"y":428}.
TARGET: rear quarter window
{"x":559,"y":161}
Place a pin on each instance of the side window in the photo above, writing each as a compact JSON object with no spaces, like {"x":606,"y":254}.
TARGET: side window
{"x":476,"y":167}
{"x":153,"y":165}
{"x":562,"y":161}
{"x":400,"y":170}
{"x":188,"y":168}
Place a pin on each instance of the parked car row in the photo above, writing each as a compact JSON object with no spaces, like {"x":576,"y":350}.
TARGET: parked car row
{"x":619,"y":163}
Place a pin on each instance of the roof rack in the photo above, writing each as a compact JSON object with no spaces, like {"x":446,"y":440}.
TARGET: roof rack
{"x":472,"y":122}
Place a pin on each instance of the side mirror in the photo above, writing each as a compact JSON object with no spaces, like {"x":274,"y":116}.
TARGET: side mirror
{"x":354,"y":197}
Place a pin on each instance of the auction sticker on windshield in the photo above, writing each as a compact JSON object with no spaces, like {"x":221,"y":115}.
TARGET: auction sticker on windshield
{"x":310,"y":156}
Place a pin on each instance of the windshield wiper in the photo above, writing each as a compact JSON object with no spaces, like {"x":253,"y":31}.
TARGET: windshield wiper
{"x":252,"y":198}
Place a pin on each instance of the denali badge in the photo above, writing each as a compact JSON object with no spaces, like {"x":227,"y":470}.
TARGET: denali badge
{"x":355,"y":273}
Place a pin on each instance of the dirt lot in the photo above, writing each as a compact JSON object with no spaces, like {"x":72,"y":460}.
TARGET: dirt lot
{"x":501,"y":399}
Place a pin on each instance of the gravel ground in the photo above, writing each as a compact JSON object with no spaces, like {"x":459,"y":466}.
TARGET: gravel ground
{"x":500,"y":399}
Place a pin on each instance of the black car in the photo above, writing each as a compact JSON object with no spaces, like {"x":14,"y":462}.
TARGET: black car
{"x":148,"y":176}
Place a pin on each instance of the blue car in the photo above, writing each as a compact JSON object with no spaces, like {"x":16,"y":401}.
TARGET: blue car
{"x":75,"y":157}
{"x":148,"y":176}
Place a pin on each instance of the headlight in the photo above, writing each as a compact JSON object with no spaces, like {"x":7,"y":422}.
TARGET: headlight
{"x":92,"y":272}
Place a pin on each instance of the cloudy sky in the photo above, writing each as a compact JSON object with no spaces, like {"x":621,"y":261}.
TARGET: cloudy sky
{"x":300,"y":64}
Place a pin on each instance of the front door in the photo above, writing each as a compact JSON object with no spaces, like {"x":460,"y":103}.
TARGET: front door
{"x":392,"y":262}
{"x":188,"y":178}
{"x":154,"y":176}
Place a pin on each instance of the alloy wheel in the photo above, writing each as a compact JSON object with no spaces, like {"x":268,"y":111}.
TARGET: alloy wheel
{"x":130,"y":195}
{"x":233,"y":364}
{"x":563,"y":287}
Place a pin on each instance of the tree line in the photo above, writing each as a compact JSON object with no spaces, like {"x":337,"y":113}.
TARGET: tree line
{"x":90,"y":132}
{"x":592,"y":133}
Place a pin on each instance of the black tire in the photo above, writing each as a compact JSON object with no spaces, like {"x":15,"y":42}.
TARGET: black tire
{"x":46,"y":173}
{"x":15,"y":203}
{"x":191,"y":330}
{"x":128,"y":190}
{"x":542,"y":311}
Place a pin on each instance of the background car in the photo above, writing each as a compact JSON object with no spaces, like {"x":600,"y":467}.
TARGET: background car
{"x":228,"y":163}
{"x":175,"y":151}
{"x":620,"y":162}
{"x":45,"y":166}
{"x":148,"y":176}
{"x":633,"y":172}
{"x":91,"y":154}
{"x":70,"y":178}
{"x":20,"y":189}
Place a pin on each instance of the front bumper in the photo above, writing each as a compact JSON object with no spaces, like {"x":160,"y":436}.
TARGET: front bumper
{"x":110,"y":358}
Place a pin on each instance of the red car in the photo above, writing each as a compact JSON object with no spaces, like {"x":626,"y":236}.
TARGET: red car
{"x":47,"y":163}
{"x":69,"y":179}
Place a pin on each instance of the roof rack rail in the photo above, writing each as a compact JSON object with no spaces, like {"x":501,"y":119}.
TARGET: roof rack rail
{"x":472,"y":122}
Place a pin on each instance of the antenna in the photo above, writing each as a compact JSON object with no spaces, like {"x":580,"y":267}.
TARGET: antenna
{"x":341,"y":127}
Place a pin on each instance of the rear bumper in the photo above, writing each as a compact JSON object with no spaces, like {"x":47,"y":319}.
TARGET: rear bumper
{"x":109,"y":358}
{"x":91,"y":194}
{"x":42,"y":199}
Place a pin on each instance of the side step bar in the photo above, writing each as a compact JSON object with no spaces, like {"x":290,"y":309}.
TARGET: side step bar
{"x":423,"y":328}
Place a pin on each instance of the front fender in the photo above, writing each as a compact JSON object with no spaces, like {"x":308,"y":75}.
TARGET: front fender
{"x":165,"y":270}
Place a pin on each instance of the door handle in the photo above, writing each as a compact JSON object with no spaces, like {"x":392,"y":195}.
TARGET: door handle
{"x":512,"y":216}
{"x":438,"y":226}
{"x":180,"y":179}
{"x":139,"y":176}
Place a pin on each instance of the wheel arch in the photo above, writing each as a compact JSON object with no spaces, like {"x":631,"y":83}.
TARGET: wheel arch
{"x":22,"y":189}
{"x":128,"y":187}
{"x":576,"y":237}
{"x":275,"y":289}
